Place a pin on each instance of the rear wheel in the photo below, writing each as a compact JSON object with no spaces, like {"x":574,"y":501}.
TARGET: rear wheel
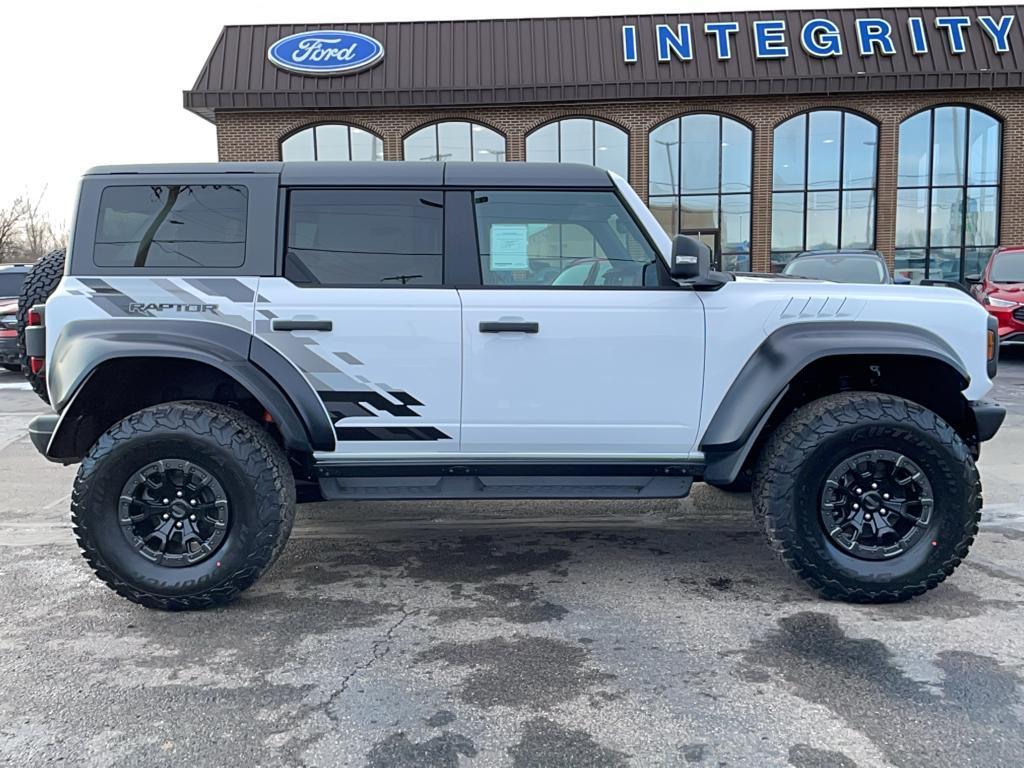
{"x":41,"y":281}
{"x":868,"y":497}
{"x":183,"y":505}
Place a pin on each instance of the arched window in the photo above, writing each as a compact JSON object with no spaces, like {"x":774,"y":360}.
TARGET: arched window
{"x":947,"y":203}
{"x":823,"y":184}
{"x":580,"y":140}
{"x":455,"y":140}
{"x":332,"y":142}
{"x":699,"y":180}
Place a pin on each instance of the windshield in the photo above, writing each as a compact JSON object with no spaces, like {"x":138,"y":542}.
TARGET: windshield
{"x":10,"y":283}
{"x":1008,"y":267}
{"x":838,"y":269}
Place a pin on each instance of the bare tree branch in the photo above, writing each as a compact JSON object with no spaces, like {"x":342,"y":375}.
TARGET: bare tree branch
{"x":26,"y":230}
{"x":10,"y":229}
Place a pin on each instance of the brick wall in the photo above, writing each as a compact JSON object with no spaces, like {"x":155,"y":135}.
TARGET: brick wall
{"x":257,"y":136}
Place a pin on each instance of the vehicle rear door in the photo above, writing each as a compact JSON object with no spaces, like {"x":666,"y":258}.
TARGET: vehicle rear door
{"x":361,"y":309}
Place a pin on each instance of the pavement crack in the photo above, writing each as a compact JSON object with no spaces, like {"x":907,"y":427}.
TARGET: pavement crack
{"x":378,"y":651}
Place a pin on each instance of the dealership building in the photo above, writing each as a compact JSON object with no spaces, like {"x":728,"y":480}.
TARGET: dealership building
{"x":767,"y":133}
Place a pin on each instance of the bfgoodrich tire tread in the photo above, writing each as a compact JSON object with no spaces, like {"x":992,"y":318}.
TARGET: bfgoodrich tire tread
{"x":42,"y":281}
{"x":255,"y":452}
{"x":795,"y":440}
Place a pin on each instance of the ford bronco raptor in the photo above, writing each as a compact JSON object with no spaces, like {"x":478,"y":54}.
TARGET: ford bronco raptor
{"x":227,"y":336}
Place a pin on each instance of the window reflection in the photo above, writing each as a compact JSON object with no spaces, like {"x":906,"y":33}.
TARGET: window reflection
{"x":947,"y":204}
{"x":580,"y":140}
{"x":699,"y":176}
{"x":332,"y":141}
{"x":455,"y":140}
{"x":823,"y":176}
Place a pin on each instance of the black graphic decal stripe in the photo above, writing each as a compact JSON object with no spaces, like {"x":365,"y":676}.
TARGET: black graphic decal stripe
{"x":390,"y":433}
{"x":373,"y":399}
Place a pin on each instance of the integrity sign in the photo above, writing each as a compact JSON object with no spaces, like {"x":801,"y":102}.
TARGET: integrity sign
{"x":820,"y":37}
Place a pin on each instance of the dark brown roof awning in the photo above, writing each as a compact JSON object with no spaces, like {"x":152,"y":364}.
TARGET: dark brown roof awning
{"x":521,"y":61}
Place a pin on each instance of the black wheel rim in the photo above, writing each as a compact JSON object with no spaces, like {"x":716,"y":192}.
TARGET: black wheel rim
{"x":876,"y":505}
{"x":174,"y":513}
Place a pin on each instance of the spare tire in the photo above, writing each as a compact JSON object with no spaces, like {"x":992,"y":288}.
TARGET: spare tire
{"x":39,"y":284}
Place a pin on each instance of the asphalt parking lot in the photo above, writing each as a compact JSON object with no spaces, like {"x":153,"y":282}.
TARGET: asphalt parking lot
{"x":510,"y":634}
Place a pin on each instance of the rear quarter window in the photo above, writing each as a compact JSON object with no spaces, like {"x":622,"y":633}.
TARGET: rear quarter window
{"x":188,"y":226}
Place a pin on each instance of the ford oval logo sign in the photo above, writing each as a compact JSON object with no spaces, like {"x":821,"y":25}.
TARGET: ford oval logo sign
{"x":325,"y":52}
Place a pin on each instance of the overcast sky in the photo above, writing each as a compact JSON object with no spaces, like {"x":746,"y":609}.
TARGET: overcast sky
{"x":89,"y":83}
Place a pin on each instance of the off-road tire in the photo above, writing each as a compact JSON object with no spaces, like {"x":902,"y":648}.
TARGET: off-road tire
{"x":790,"y":475}
{"x":246,"y":461}
{"x":41,"y":281}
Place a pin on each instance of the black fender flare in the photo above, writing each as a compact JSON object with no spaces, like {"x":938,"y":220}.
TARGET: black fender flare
{"x":84,"y":345}
{"x":764,"y":379}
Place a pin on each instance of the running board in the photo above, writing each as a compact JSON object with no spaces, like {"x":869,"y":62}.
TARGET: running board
{"x":545,"y":487}
{"x":506,"y":480}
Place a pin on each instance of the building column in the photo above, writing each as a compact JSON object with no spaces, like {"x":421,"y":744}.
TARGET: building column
{"x":638,"y":161}
{"x":392,"y":145}
{"x":885,"y":188}
{"x":515,"y":145}
{"x":761,"y":199}
{"x":1011,"y":183}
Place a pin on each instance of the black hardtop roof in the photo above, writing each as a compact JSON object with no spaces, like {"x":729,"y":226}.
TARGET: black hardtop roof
{"x":389,"y":173}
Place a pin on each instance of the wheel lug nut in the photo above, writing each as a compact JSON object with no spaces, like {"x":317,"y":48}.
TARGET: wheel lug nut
{"x":858,"y":490}
{"x":166,"y":516}
{"x":856,"y":506}
{"x":881,"y":511}
{"x":178,"y":524}
{"x":867,"y":516}
{"x":885,"y":495}
{"x":178,"y":494}
{"x":874,"y":486}
{"x":192,"y":518}
{"x":192,"y":502}
{"x":167,"y":501}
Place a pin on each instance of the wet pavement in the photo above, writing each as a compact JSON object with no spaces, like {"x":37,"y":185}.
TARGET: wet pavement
{"x":510,"y":634}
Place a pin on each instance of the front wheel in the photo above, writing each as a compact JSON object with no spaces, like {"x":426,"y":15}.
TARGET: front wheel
{"x":183,"y":505}
{"x":868,"y":497}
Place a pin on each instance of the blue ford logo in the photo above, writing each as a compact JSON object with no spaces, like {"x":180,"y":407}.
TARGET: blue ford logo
{"x":325,"y":52}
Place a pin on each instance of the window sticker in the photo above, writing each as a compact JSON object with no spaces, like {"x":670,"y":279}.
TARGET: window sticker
{"x":509,"y":247}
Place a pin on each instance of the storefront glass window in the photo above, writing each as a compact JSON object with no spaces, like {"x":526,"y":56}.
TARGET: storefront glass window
{"x":580,"y":140}
{"x":823,"y":184}
{"x":332,"y":142}
{"x":947,"y":205}
{"x":455,"y":140}
{"x":699,"y":179}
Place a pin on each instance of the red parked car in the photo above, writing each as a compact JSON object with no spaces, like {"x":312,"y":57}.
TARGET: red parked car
{"x":1000,"y":288}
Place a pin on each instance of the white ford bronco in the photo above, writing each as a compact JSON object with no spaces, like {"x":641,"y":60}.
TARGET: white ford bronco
{"x":225,"y":338}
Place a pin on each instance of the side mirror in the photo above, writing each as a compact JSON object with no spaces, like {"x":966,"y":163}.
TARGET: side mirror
{"x":691,"y":259}
{"x":972,"y":279}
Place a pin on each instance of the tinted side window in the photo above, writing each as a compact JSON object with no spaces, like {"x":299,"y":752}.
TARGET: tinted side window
{"x":192,"y":226}
{"x":358,"y":237}
{"x":561,"y":239}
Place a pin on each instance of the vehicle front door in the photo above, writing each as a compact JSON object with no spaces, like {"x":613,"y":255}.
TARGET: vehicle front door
{"x":576,"y":344}
{"x":361,"y":311}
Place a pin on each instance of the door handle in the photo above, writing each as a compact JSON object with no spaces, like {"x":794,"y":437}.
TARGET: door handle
{"x":301,"y":325}
{"x":518,"y":326}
